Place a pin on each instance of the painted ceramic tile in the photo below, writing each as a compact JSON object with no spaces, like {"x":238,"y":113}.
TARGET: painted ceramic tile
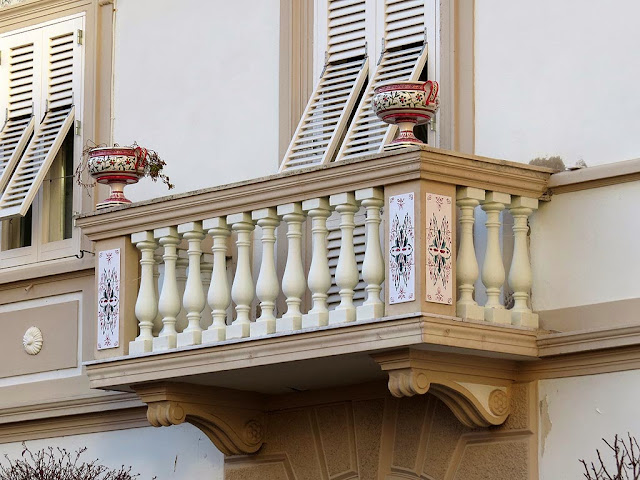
{"x":402,"y":272}
{"x":439,"y":249}
{"x":108,"y":299}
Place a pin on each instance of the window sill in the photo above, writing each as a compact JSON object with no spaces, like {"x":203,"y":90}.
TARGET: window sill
{"x":45,"y":269}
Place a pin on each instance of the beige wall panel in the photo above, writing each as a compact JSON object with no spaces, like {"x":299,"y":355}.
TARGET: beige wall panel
{"x":446,"y":432}
{"x":368,"y":426}
{"x":384,"y":438}
{"x":337,"y":437}
{"x":59,"y":326}
{"x":507,"y":461}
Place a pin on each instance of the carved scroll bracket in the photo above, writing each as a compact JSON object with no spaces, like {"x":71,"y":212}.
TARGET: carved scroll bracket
{"x":477,"y":390}
{"x":233,"y":420}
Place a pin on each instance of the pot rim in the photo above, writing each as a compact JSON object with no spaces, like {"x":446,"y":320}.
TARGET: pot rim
{"x":407,"y":85}
{"x":97,"y":151}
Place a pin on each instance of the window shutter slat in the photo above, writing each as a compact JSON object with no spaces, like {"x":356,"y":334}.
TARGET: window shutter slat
{"x":367,"y":134}
{"x":35,"y":163}
{"x":404,"y":23}
{"x":346,"y":25}
{"x":325,"y":118}
{"x":13,"y":138}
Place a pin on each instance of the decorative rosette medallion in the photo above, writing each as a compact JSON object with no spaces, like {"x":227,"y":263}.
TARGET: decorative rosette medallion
{"x":406,"y":104}
{"x":116,"y":167}
{"x":32,"y":341}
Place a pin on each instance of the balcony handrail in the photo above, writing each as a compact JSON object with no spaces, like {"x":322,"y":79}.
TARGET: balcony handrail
{"x":403,"y":165}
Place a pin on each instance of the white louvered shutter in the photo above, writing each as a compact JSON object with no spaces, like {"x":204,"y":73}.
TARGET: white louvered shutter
{"x":18,"y":73}
{"x":326,"y":116}
{"x":61,"y":80}
{"x":404,"y":58}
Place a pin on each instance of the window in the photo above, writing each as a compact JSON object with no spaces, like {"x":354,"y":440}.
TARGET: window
{"x":41,"y":81}
{"x":339,"y":123}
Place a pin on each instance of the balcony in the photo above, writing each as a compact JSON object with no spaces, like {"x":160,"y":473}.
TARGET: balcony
{"x":323,"y":277}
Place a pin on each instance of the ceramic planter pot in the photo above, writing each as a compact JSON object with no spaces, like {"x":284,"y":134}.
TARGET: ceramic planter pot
{"x":116,"y":167}
{"x":406,"y":104}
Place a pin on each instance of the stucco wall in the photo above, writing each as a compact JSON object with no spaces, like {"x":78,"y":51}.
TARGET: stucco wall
{"x":584,"y":247}
{"x":180,"y":452}
{"x":557,"y":78}
{"x":198,"y":82}
{"x":576,"y":413}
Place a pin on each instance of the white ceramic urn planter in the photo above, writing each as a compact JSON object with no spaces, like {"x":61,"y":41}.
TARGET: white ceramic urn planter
{"x":116,"y":167}
{"x":406,"y":104}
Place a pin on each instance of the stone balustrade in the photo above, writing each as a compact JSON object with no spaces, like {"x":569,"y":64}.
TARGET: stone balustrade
{"x":243,"y":292}
{"x":252,"y":260}
{"x":493,"y":270}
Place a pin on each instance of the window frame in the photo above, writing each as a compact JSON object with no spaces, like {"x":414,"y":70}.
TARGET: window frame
{"x":95,"y":96}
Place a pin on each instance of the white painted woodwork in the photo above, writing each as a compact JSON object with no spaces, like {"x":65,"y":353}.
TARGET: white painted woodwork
{"x":404,"y":23}
{"x":242,"y":290}
{"x":372,"y":199}
{"x":146,"y":304}
{"x":367,"y":134}
{"x":193,"y":299}
{"x":267,"y":287}
{"x":325,"y":118}
{"x":218,"y":296}
{"x":493,"y":274}
{"x":468,"y":199}
{"x":346,"y":276}
{"x":293,"y":281}
{"x":346,"y":29}
{"x":53,"y":93}
{"x":319,"y":278}
{"x":520,"y":278}
{"x":169,"y":302}
{"x":343,"y":77}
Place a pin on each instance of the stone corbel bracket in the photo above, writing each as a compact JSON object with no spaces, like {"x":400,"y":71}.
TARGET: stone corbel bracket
{"x":476,"y":390}
{"x":233,"y":420}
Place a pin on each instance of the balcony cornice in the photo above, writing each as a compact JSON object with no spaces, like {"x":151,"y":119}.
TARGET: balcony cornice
{"x":375,"y":170}
{"x":418,"y":330}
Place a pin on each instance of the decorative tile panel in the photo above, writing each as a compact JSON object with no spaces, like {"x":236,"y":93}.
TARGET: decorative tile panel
{"x":439,"y":249}
{"x":402,"y":282}
{"x":108,"y":299}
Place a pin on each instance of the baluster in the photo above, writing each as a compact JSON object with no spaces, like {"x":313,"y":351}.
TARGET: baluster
{"x":493,"y":274}
{"x":206,"y":269}
{"x":520,"y":279}
{"x":169,"y":303}
{"x":181,"y":277}
{"x":193,"y":299}
{"x":242,"y":288}
{"x":319,"y":275}
{"x":467,"y":265}
{"x":157,"y":322}
{"x":293,"y":281}
{"x":347,"y":269}
{"x":267,"y":287}
{"x":146,"y":303}
{"x":219,"y":297}
{"x":372,"y":200}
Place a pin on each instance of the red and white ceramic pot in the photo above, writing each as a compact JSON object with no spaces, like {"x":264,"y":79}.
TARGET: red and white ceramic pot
{"x":116,"y":167}
{"x":406,"y":104}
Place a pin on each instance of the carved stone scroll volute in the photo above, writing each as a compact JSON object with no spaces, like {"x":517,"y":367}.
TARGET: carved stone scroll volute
{"x":232,"y":420}
{"x":478,"y":396}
